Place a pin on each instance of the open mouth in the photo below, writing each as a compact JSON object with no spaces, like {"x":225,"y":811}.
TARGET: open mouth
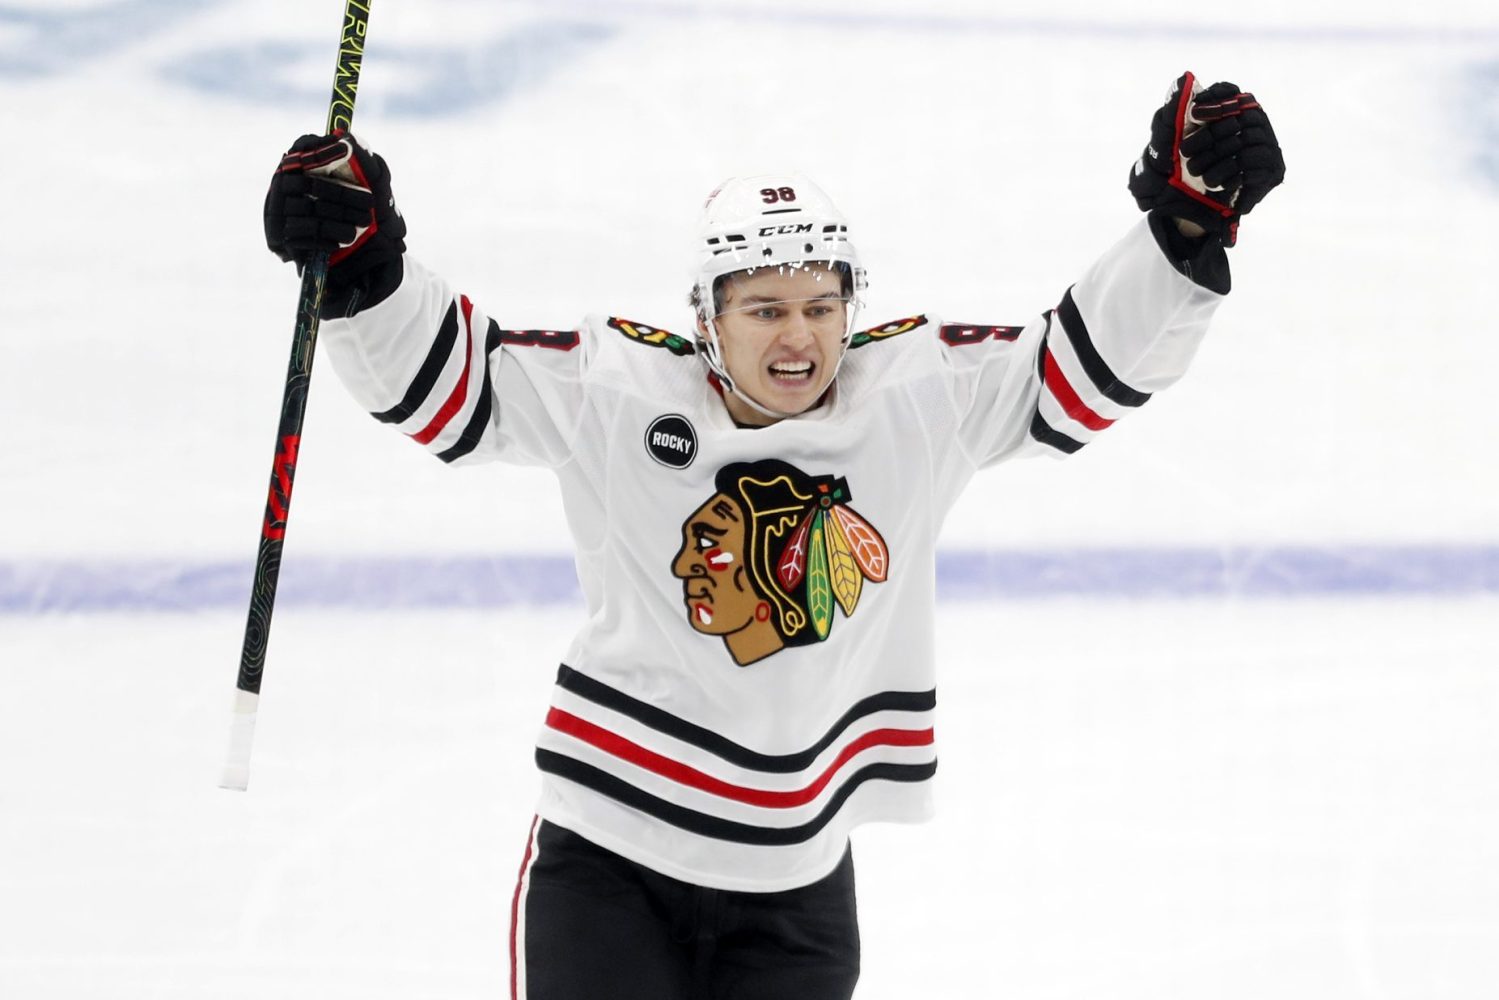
{"x":703,"y":614}
{"x":792,"y":373}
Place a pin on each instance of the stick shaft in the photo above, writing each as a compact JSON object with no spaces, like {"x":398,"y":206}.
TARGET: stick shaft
{"x":289,"y":431}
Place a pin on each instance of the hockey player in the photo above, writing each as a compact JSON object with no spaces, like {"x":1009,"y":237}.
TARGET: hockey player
{"x":755,"y":508}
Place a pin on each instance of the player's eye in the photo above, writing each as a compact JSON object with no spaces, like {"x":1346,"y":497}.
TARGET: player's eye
{"x":766,"y":313}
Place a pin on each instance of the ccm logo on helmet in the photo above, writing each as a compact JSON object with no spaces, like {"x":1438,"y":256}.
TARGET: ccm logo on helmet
{"x":671,"y":441}
{"x":804,"y":227}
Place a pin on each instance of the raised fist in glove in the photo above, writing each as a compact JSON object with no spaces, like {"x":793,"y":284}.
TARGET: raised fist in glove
{"x":1212,"y":156}
{"x":331,"y":195}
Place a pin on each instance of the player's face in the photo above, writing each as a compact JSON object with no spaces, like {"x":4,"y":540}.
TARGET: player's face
{"x":781,"y":332}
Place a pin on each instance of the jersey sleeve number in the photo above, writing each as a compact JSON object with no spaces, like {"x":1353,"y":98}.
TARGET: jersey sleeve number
{"x":557,"y":340}
{"x":773,"y":195}
{"x":958,"y":335}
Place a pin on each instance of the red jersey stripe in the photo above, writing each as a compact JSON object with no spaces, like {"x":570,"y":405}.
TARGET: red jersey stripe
{"x":1062,"y":390}
{"x":460,"y":391}
{"x":634,"y":753}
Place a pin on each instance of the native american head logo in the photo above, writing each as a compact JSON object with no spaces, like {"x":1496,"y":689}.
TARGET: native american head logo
{"x":765,"y":560}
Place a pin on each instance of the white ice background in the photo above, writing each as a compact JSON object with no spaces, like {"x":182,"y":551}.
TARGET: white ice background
{"x":1223,"y":795}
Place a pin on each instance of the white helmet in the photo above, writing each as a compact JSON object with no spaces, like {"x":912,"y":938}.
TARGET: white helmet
{"x":772,"y":220}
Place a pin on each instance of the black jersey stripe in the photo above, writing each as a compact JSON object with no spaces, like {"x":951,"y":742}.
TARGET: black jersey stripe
{"x":426,"y":375}
{"x":1093,"y":363}
{"x":706,"y":825}
{"x":1047,"y":434}
{"x":473,"y":431}
{"x":720,"y":746}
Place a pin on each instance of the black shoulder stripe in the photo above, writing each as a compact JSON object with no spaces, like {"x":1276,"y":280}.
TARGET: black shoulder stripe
{"x":705,"y":739}
{"x":426,"y":376}
{"x":707,"y":825}
{"x":1049,"y":435}
{"x":473,"y":431}
{"x":1098,"y":370}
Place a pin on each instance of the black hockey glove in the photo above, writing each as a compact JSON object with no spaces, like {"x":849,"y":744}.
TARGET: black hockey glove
{"x":1212,"y":156}
{"x":330,"y":194}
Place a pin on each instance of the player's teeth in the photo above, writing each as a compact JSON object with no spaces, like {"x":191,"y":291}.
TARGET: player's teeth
{"x":800,"y":368}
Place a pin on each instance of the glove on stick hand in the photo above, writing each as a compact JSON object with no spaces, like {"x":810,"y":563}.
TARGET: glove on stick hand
{"x":1211,"y":158}
{"x":330,"y":194}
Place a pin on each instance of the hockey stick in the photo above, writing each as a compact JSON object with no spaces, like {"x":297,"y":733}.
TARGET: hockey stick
{"x":289,"y":434}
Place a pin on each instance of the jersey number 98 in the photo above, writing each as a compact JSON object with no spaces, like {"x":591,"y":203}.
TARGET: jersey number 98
{"x":772,"y":195}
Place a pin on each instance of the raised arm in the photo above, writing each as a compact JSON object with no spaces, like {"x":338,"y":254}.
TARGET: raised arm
{"x":1212,"y":156}
{"x":1131,"y":324}
{"x":411,"y":350}
{"x":330,"y":194}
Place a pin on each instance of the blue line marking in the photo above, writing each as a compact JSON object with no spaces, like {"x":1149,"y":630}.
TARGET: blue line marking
{"x":1249,"y":572}
{"x":374,"y":583}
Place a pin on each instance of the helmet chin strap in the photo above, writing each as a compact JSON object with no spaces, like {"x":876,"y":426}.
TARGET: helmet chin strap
{"x":714,"y":359}
{"x":749,"y":401}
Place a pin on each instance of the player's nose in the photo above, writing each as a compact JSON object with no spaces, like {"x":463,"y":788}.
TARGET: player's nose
{"x":796,"y":331}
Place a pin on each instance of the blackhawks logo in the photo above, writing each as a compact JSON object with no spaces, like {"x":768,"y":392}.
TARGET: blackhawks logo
{"x":767,"y":558}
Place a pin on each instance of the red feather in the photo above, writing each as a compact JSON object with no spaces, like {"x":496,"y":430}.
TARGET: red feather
{"x":794,"y":558}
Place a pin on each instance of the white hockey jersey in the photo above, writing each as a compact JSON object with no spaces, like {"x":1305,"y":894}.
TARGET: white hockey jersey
{"x":755,"y":675}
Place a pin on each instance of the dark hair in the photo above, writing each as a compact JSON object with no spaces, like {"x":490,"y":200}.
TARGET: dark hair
{"x":774,"y":497}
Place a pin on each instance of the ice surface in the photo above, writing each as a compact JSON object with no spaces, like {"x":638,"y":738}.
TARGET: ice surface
{"x":1137,"y":800}
{"x":1227,"y":788}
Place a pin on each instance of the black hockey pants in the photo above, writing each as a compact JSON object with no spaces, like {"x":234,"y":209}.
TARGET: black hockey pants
{"x":589,"y":925}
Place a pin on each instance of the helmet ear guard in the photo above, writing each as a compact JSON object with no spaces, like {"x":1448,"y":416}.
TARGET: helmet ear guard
{"x":771,"y":220}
